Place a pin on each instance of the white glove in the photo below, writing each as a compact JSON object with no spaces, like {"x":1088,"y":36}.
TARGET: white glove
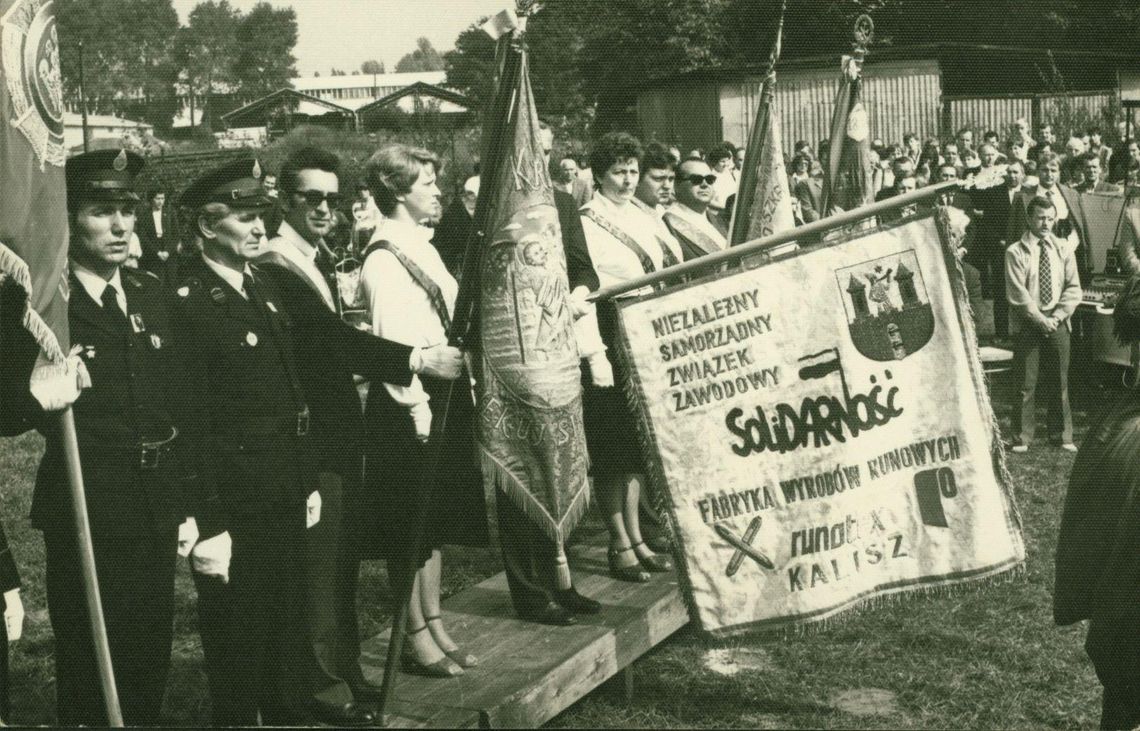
{"x":441,"y":361}
{"x":57,"y":386}
{"x":421,"y":419}
{"x":187,"y":536}
{"x":313,"y":509}
{"x":601,"y":372}
{"x":579,"y":307}
{"x":13,"y":614}
{"x":211,"y":557}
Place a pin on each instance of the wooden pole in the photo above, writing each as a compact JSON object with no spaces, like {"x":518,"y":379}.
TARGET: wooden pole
{"x":817,"y":228}
{"x":87,"y":566}
{"x":403,"y":577}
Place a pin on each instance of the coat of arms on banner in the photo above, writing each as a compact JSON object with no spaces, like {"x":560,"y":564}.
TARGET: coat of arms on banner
{"x":888,"y":310}
{"x":30,"y":46}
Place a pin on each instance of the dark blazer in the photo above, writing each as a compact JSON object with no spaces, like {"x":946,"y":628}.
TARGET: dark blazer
{"x":136,"y":396}
{"x":252,"y":411}
{"x":152,"y":243}
{"x":810,"y":194}
{"x":579,"y":265}
{"x":328,"y":352}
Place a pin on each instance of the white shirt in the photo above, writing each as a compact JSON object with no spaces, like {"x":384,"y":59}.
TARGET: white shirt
{"x":291,"y":245}
{"x":94,"y":284}
{"x":700,"y":221}
{"x":231,"y":277}
{"x":613,"y":260}
{"x":724,"y":187}
{"x":157,"y":216}
{"x":400,"y":308}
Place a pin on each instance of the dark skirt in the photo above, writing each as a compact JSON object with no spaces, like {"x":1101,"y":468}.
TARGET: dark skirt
{"x":611,"y":427}
{"x":394,"y":466}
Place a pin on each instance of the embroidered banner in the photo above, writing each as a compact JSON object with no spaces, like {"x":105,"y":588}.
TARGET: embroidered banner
{"x":819,"y":432}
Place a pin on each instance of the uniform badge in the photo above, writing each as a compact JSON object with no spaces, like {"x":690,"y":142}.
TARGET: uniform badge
{"x":272,"y":307}
{"x":120,"y":163}
{"x":137,"y":323}
{"x":251,"y":338}
{"x":89,"y":352}
{"x":218,"y":294}
{"x":183,"y":291}
{"x":155,"y":341}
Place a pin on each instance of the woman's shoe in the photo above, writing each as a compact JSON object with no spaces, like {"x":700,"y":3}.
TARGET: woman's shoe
{"x":458,"y":656}
{"x":634,"y":574}
{"x":656,"y":564}
{"x":444,"y":667}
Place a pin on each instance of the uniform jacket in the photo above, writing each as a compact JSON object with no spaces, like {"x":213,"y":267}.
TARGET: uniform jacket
{"x":328,"y":352}
{"x":252,"y":410}
{"x":136,"y":396}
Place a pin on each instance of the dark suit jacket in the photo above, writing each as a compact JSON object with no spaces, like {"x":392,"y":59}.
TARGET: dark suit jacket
{"x":328,"y":352}
{"x":152,"y":243}
{"x":579,"y":265}
{"x":810,"y":194}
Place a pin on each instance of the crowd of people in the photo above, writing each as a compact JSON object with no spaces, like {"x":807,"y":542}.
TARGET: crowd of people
{"x":224,"y":422}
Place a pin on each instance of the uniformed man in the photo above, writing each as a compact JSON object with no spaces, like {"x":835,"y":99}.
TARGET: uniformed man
{"x":328,"y":352}
{"x":256,"y":423}
{"x":134,"y":454}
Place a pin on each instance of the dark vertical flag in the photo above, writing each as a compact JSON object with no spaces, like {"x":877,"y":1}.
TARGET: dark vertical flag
{"x":531,"y":439}
{"x":764,"y":202}
{"x":33,"y":210}
{"x":848,"y":169}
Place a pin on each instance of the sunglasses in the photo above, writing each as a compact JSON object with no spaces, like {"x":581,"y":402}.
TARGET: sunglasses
{"x":698,"y":179}
{"x":316,"y":197}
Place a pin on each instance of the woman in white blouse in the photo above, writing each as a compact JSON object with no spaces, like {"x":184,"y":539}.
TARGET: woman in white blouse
{"x":625,"y":240}
{"x":411,"y":297}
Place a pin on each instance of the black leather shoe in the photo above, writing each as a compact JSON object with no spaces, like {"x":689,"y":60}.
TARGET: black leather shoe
{"x":551,"y":614}
{"x":350,"y":714}
{"x":575,"y":602}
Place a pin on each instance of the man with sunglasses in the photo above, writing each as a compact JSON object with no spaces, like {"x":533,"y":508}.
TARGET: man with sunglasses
{"x":690,"y":219}
{"x":328,"y":352}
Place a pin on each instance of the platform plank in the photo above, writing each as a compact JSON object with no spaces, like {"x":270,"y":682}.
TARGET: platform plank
{"x":529,"y":673}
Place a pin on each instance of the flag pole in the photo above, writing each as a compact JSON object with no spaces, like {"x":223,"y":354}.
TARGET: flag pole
{"x":87,"y":566}
{"x":403,"y":579}
{"x":746,"y":190}
{"x":806,"y":232}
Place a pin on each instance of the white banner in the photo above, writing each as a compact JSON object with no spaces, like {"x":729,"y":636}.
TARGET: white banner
{"x":817,"y":432}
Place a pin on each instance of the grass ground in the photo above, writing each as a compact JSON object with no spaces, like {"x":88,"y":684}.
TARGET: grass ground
{"x":985,"y":657}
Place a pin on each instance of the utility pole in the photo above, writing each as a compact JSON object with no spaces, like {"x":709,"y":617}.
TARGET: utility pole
{"x":83,"y":99}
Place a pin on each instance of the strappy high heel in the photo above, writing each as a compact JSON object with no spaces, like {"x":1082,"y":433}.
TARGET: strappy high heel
{"x":655,"y":563}
{"x":635,"y":574}
{"x":458,"y":656}
{"x":444,"y":667}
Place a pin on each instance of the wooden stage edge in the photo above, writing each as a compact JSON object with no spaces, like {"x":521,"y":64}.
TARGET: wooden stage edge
{"x":529,"y":673}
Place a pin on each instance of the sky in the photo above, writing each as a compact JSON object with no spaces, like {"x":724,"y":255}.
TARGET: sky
{"x":345,"y":33}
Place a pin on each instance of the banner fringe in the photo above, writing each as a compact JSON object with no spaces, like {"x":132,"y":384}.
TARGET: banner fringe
{"x":13,"y":266}
{"x":498,"y":476}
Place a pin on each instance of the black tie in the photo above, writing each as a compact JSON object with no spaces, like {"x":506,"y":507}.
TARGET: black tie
{"x":111,"y":305}
{"x":250,"y":289}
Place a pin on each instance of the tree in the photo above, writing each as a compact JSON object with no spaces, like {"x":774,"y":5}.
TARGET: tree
{"x":134,"y":78}
{"x":372,"y":66}
{"x":264,"y":61}
{"x":206,"y":50}
{"x":424,"y":58}
{"x":471,"y":66}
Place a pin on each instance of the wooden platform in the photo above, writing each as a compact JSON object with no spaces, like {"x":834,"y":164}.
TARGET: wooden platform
{"x":529,"y":673}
